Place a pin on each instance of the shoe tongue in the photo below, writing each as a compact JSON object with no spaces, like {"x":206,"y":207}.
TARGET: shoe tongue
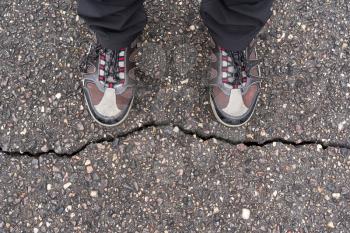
{"x":236,"y":55}
{"x":109,"y":53}
{"x":110,"y":79}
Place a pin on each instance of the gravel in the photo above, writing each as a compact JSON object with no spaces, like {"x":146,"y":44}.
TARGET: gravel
{"x":159,"y":180}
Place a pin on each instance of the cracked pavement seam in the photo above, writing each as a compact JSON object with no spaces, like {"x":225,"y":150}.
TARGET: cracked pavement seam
{"x":197,"y":134}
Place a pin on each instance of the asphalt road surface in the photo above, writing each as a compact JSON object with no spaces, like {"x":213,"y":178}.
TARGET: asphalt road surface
{"x":171,"y":167}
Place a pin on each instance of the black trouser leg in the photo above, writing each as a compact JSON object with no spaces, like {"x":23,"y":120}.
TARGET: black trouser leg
{"x":115,"y":22}
{"x":233,"y":24}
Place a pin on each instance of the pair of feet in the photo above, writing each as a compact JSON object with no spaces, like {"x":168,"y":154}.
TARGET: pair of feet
{"x":109,"y":84}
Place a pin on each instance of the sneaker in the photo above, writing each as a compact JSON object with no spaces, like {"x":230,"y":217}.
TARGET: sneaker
{"x":108,"y":84}
{"x":235,"y":85}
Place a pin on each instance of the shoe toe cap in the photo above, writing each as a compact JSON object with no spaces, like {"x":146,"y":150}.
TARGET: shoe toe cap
{"x":234,"y":112}
{"x":107,"y":108}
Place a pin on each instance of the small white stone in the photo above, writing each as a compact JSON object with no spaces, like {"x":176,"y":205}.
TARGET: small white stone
{"x":336,"y":195}
{"x":176,"y":129}
{"x":184,"y":81}
{"x":245,"y":213}
{"x":216,"y":210}
{"x":94,"y":193}
{"x":68,"y":208}
{"x":58,"y":96}
{"x":80,"y":126}
{"x":49,"y":187}
{"x":87,"y":162}
{"x":36,"y":230}
{"x":180,"y":172}
{"x":44,"y":148}
{"x":24,"y":132}
{"x":330,"y":224}
{"x":67,"y":185}
{"x":192,"y":28}
{"x":89,"y":169}
{"x":341,"y":125}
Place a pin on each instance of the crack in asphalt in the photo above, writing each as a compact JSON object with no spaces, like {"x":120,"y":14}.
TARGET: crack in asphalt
{"x":109,"y":139}
{"x":248,"y":143}
{"x":194,"y":133}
